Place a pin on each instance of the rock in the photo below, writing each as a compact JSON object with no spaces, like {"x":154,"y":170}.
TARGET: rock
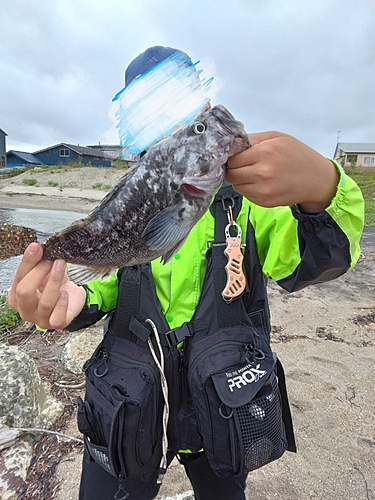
{"x":14,"y":462}
{"x":51,"y":411}
{"x":8,"y":436}
{"x":24,"y":402}
{"x":23,"y":397}
{"x":80,"y":348}
{"x":188,"y":495}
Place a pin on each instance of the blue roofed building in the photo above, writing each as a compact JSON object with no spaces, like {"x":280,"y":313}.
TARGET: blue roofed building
{"x":3,"y":151}
{"x":68,"y":153}
{"x":21,"y":159}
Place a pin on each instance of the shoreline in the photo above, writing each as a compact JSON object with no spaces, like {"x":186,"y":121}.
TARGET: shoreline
{"x":46,"y":202}
{"x":69,"y":201}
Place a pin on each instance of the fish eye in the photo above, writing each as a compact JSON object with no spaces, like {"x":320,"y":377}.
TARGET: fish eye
{"x":199,"y":128}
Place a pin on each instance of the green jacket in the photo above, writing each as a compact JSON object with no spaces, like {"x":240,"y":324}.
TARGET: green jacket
{"x":286,"y":239}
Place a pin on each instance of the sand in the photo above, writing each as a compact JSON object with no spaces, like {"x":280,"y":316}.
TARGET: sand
{"x":325,"y":337}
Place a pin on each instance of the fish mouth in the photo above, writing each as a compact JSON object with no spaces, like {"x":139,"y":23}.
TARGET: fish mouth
{"x":227,"y":125}
{"x":200,"y":186}
{"x":193,"y":190}
{"x":239,"y":144}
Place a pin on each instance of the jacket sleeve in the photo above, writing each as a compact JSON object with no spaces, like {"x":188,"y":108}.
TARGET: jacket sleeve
{"x":101,"y":298}
{"x":297,"y":249}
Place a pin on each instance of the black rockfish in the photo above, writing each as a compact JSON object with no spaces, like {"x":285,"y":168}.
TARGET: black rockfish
{"x":152,"y":208}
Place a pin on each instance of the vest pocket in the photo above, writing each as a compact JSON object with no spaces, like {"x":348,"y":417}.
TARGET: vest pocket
{"x":237,"y":401}
{"x":121,"y":415}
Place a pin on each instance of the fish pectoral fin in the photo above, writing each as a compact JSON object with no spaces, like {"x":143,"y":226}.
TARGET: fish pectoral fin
{"x":168,"y":255}
{"x":167,"y":229}
{"x":80,"y":275}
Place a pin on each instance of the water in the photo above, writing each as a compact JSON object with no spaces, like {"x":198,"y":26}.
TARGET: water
{"x":48,"y":221}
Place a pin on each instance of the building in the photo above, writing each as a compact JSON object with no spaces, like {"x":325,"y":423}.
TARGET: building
{"x":68,"y":153}
{"x":3,"y":149}
{"x":114,"y":151}
{"x":21,"y":159}
{"x":64,"y":153}
{"x":357,"y":154}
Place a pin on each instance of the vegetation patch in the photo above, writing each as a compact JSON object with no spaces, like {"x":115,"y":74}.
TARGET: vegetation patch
{"x":100,"y":185}
{"x":9,"y":318}
{"x":29,"y":182}
{"x":365,"y":178}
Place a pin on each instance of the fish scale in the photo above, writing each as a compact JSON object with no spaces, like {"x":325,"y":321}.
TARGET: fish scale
{"x":152,"y":208}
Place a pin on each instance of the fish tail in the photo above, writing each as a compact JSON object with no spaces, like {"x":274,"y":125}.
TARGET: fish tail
{"x":15,"y":239}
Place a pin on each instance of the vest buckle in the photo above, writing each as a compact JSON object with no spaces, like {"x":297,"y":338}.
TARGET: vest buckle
{"x":177,"y":335}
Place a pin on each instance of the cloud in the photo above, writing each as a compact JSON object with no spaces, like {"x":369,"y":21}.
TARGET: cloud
{"x":300,"y":67}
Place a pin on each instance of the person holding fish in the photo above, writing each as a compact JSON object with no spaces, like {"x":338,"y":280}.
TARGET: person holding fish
{"x":283,"y":212}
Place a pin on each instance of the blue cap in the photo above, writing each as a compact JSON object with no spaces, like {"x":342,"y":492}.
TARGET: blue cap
{"x":148,"y":58}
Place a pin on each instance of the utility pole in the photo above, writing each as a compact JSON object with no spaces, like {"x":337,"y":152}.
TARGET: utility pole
{"x":338,"y":136}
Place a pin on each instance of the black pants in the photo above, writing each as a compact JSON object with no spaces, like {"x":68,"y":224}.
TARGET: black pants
{"x":97,"y":484}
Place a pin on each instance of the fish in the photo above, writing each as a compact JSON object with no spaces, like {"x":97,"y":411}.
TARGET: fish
{"x":151,"y":209}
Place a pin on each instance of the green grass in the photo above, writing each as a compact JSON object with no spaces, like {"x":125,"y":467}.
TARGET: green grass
{"x":100,"y":185}
{"x":29,"y":182}
{"x":365,"y":178}
{"x":9,"y":318}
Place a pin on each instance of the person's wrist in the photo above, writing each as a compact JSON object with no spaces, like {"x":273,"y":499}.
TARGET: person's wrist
{"x":325,"y":190}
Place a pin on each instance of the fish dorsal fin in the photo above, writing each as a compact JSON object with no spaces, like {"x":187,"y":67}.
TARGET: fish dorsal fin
{"x":80,"y":275}
{"x":75,"y":226}
{"x":167,"y":229}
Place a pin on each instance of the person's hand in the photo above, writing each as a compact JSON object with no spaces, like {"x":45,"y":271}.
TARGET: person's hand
{"x":280,"y":170}
{"x":42,"y":293}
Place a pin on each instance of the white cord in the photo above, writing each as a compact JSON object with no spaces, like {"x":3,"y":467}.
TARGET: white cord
{"x":164,"y":388}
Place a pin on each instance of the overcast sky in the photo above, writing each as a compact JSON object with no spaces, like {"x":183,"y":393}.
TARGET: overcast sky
{"x":302,"y":67}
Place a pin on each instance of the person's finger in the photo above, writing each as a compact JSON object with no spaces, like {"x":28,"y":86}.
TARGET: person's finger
{"x":25,"y":297}
{"x":237,"y":176}
{"x":51,"y":291}
{"x":245,"y":158}
{"x":259,"y":137}
{"x":56,"y":278}
{"x":30,"y":259}
{"x":58,"y":318}
{"x":24,"y":292}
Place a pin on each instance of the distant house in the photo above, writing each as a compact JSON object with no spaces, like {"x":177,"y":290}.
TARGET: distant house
{"x":68,"y":153}
{"x":3,"y":150}
{"x":113,"y":151}
{"x":21,"y":159}
{"x":358,"y":154}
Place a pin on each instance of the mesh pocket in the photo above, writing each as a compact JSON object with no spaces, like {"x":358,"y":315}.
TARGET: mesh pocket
{"x":261,"y":427}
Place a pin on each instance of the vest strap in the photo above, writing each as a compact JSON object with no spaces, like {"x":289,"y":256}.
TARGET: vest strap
{"x":188,"y":329}
{"x":128,"y":299}
{"x":287,"y":416}
{"x":139,"y":329}
{"x":228,"y":314}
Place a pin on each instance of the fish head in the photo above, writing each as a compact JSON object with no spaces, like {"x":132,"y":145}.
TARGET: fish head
{"x":202,"y":148}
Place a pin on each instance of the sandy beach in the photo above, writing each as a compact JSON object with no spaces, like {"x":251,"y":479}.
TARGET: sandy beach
{"x":59,"y":189}
{"x":325,"y":337}
{"x":45,"y":201}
